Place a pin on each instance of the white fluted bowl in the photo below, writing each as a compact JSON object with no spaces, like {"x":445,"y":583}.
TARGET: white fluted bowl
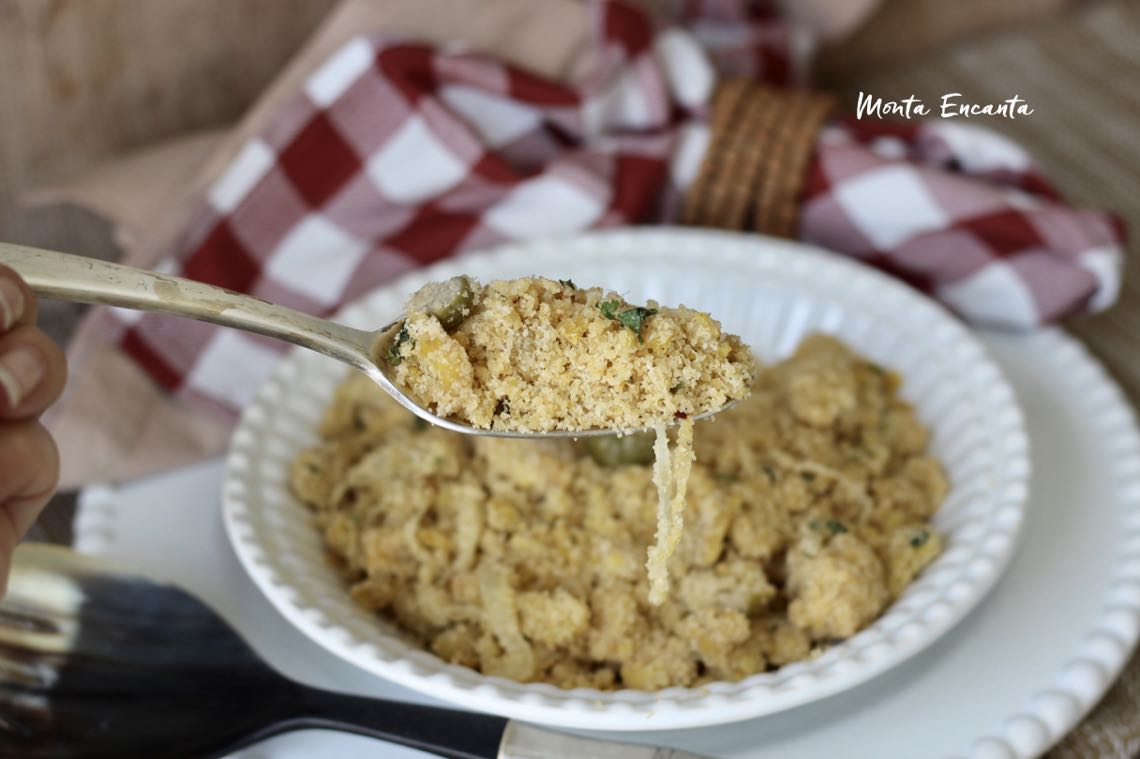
{"x":770,"y":292}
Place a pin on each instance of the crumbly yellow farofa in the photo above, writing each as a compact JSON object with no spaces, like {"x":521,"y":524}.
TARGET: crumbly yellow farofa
{"x":809,"y":509}
{"x":536,"y":355}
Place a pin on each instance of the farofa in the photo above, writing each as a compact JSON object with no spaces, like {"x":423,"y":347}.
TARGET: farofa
{"x":538,"y":355}
{"x":809,"y":513}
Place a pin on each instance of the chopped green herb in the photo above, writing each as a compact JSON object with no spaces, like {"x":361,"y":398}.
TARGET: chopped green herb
{"x":609,"y":308}
{"x":632,"y":318}
{"x":681,"y":385}
{"x":836,"y":527}
{"x":814,"y":524}
{"x":768,"y":470}
{"x":919,"y":540}
{"x":402,"y":337}
{"x":568,"y":283}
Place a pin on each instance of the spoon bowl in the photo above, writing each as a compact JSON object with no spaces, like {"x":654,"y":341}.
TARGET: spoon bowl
{"x":63,"y":276}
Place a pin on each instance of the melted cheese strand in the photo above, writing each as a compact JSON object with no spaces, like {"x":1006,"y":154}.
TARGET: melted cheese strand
{"x":671,"y":476}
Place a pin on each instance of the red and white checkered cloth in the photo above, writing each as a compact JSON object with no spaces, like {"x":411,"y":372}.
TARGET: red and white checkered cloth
{"x":397,"y":154}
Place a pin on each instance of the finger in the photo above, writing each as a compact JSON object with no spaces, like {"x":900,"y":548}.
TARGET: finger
{"x":29,"y":461}
{"x":16,"y":518}
{"x":29,"y":472}
{"x":33,"y":371}
{"x":17,"y":303}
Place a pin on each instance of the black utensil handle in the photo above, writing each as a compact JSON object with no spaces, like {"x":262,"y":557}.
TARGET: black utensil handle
{"x":446,"y":732}
{"x":456,"y":734}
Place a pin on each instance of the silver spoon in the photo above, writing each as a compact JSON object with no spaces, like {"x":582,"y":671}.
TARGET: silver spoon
{"x":63,"y":276}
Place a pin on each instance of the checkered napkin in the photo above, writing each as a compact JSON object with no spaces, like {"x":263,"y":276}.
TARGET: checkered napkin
{"x":397,"y":154}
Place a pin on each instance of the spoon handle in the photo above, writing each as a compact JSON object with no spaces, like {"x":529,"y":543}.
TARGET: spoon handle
{"x":457,"y":734}
{"x":63,"y":276}
{"x":444,"y":732}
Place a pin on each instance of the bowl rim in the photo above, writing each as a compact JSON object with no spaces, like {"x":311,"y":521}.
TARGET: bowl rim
{"x":893,"y":638}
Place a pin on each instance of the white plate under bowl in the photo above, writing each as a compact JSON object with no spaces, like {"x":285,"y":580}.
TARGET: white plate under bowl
{"x":770,"y":292}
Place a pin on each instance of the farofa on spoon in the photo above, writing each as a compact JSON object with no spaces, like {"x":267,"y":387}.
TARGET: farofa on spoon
{"x":540,"y":355}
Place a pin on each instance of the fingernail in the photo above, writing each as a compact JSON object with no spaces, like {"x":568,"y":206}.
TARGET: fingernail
{"x":11,"y":303}
{"x":21,"y":370}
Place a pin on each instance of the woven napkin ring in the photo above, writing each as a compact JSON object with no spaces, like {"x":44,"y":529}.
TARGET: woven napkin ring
{"x":753,"y":171}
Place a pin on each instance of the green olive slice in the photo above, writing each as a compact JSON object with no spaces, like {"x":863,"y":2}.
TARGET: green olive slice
{"x":611,"y":450}
{"x":449,"y":301}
